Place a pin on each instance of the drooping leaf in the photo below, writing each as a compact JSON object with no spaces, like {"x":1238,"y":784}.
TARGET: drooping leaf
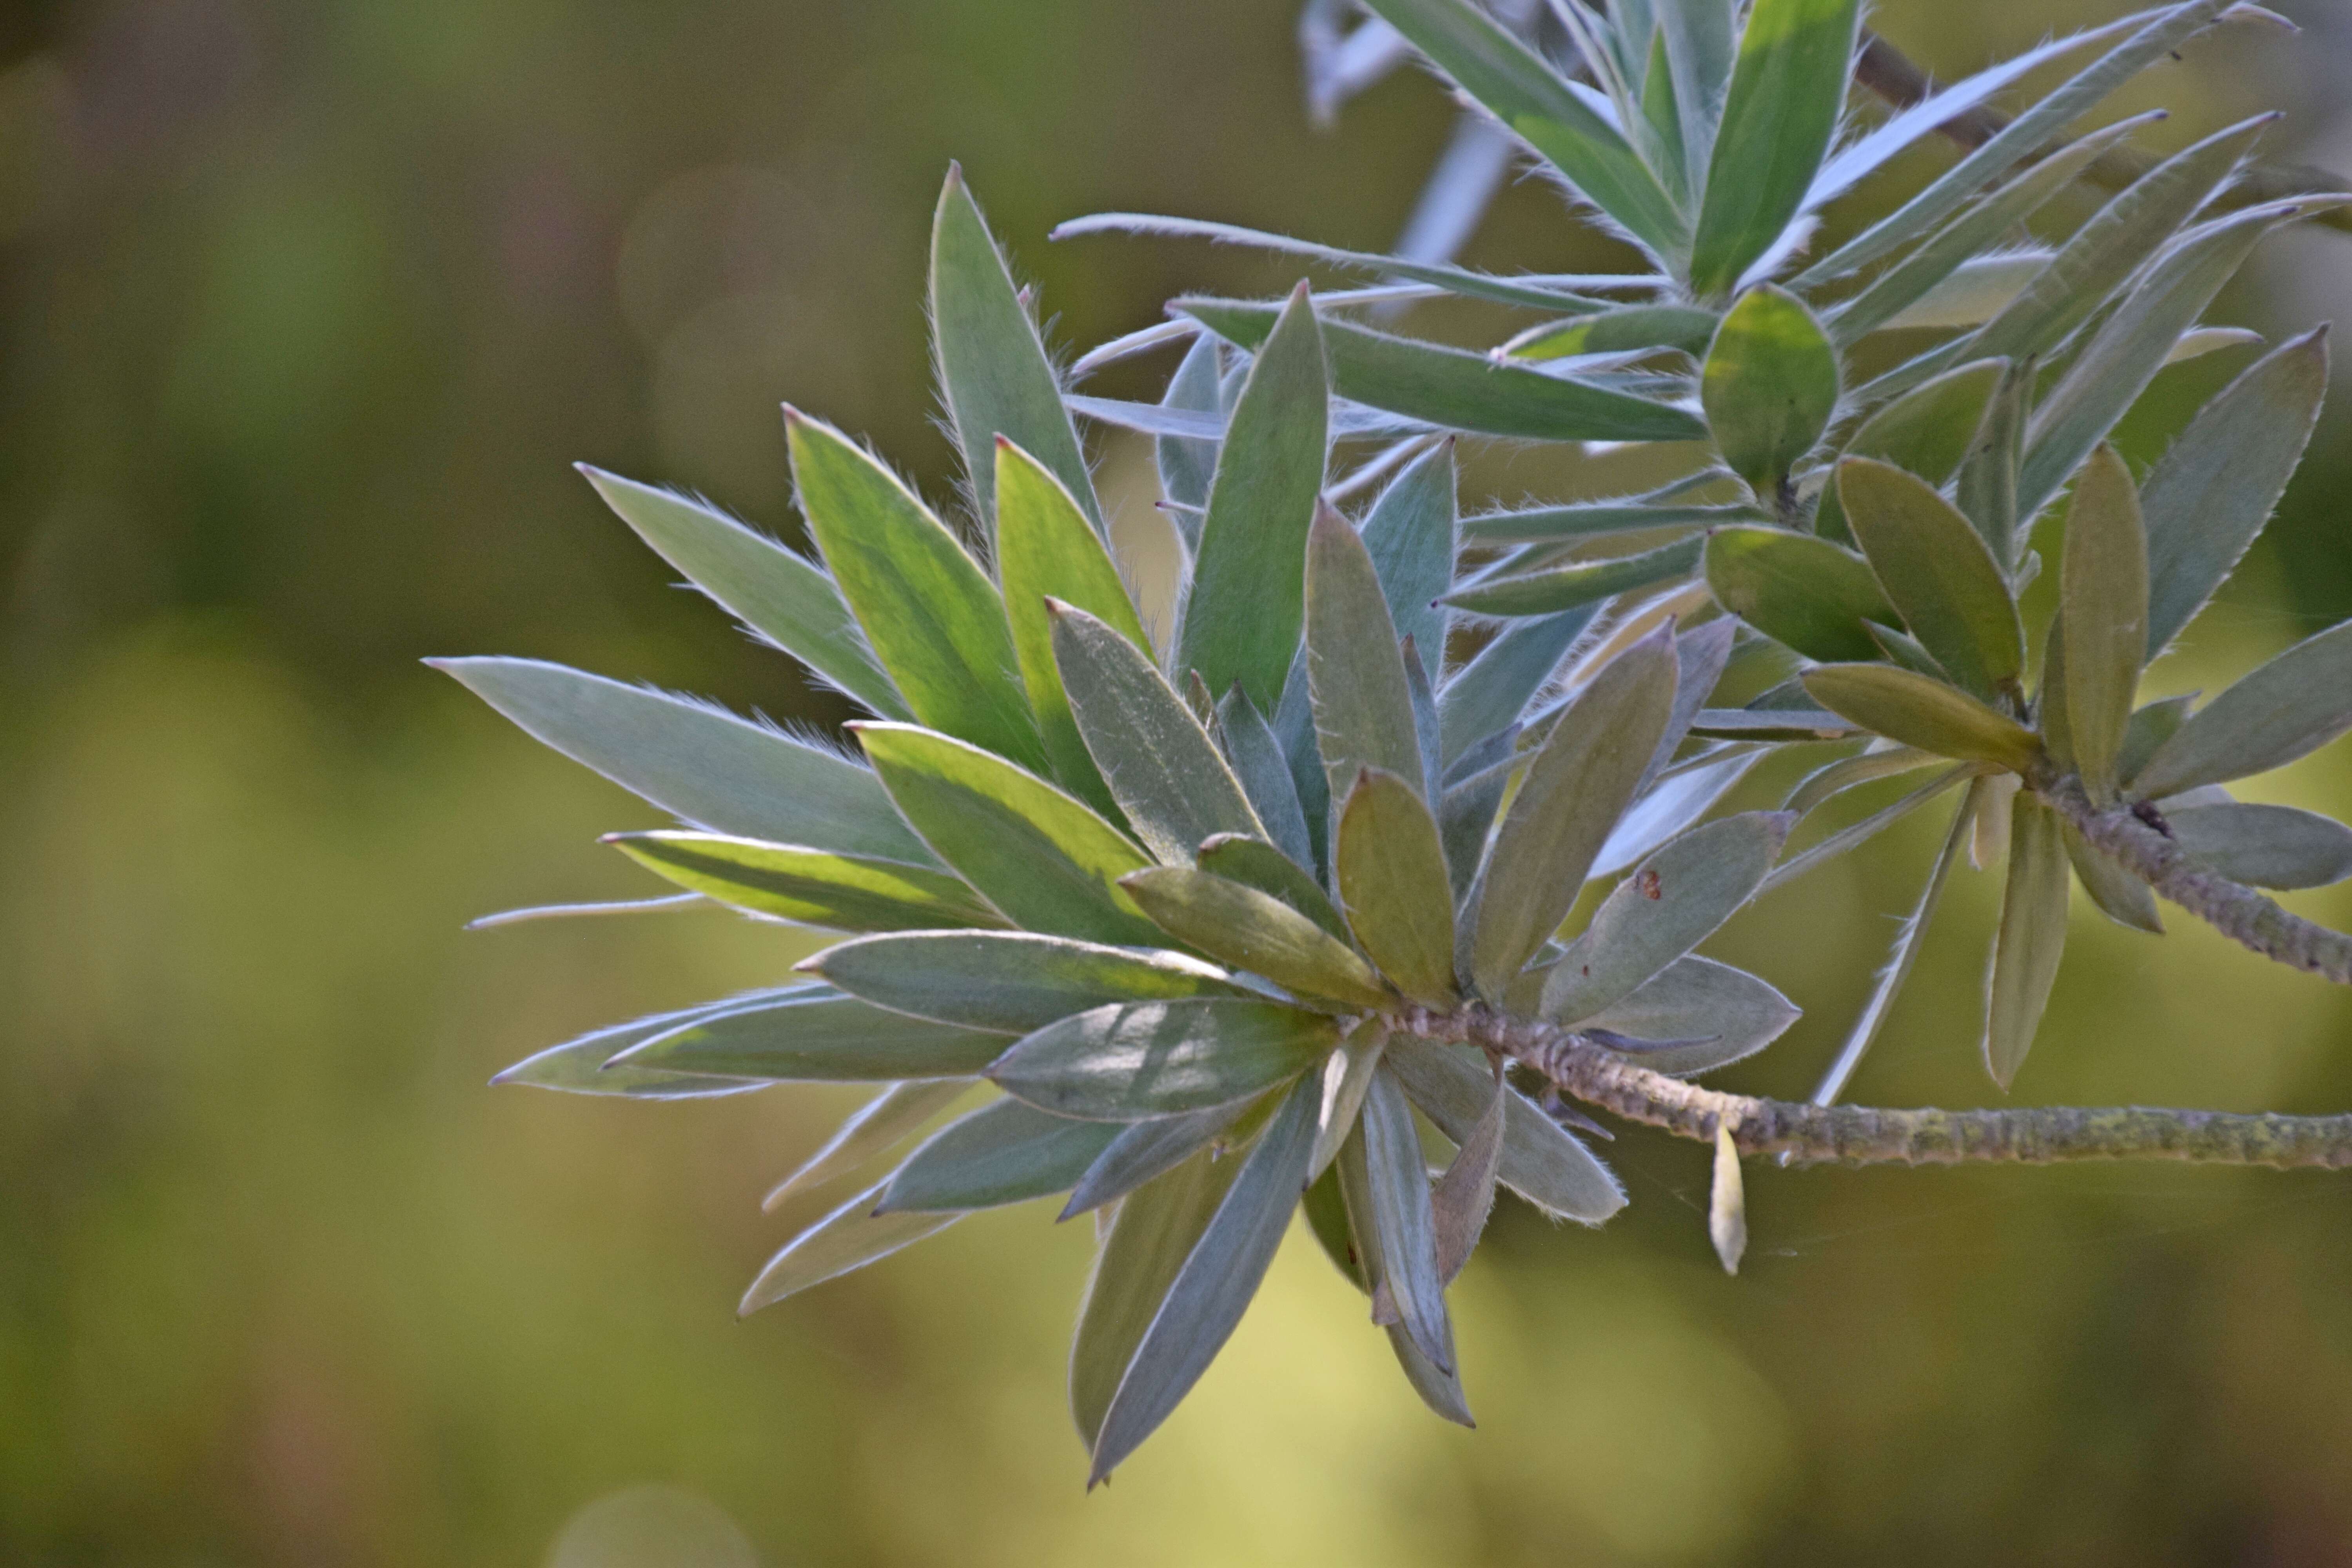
{"x":1575,"y":788}
{"x":1464,"y":1195}
{"x":1186,"y":464}
{"x":775,"y":590}
{"x":1045,"y":548}
{"x":1009,"y":981}
{"x":1254,"y":863}
{"x":2120,"y":896}
{"x":1805,"y":592}
{"x":1326,"y":1208}
{"x":994,"y":377}
{"x":888,"y":1119}
{"x":2287,"y":708}
{"x":1488,"y":693}
{"x":818,"y":1036}
{"x":1771,"y":381}
{"x":1453,"y":389}
{"x":1727,"y":1208}
{"x":1210,"y":1291}
{"x":2267,"y":846}
{"x":1719,"y":1014}
{"x":1255,"y":932}
{"x":1143,"y":1150}
{"x":842,"y":892}
{"x":1787,"y":91}
{"x":1918,"y":711}
{"x":697,"y":761}
{"x":1396,"y":1184}
{"x":2211,"y":491}
{"x":1411,"y":533}
{"x":1346,"y":1078}
{"x":2032,"y":940}
{"x":1036,"y":853}
{"x":1242,"y":620}
{"x":1541,"y":1161}
{"x":1937,"y":569}
{"x":1347,"y":1230}
{"x":1553,"y":589}
{"x":1391,"y":871}
{"x":1003,"y":1153}
{"x":1670,"y":903}
{"x":1132,"y":1060}
{"x":936,"y":622}
{"x":848,"y":1238}
{"x":1257,"y":760}
{"x":2102,"y":582}
{"x":579,"y":1065}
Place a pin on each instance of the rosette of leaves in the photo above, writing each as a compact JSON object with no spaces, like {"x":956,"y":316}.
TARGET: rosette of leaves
{"x":1202,"y":927}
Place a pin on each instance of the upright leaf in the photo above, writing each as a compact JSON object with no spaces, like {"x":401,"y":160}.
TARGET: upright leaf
{"x":1699,"y":40}
{"x":1010,"y":981}
{"x":1003,"y":1153}
{"x":2103,"y":581}
{"x":2032,"y":940}
{"x":1186,"y":464}
{"x":1391,"y":870}
{"x":1937,"y":569}
{"x":1363,"y":706}
{"x":1127,"y":1061}
{"x":1488,"y":693}
{"x":1771,"y":381}
{"x":1257,"y":759}
{"x":936,"y":622}
{"x":2291,"y":706}
{"x":1254,"y":863}
{"x":1411,"y":533}
{"x":1255,"y":932}
{"x":842,"y":892}
{"x":1986,"y":488}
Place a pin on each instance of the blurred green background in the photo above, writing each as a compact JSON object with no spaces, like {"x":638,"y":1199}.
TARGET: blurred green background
{"x":304,"y":309}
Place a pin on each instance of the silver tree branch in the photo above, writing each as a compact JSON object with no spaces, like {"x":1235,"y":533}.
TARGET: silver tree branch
{"x":1859,"y":1135}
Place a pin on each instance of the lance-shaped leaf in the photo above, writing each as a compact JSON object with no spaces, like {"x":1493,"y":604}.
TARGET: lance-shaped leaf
{"x":1973,"y":293}
{"x":1937,"y":569}
{"x":817,"y":1036}
{"x":1907,"y":707}
{"x":1242,"y":620}
{"x":1575,"y":789}
{"x":934,"y":618}
{"x":1346,"y":1078}
{"x":2032,"y":940}
{"x":1455,"y":390}
{"x":2267,"y":846}
{"x":2120,"y":896}
{"x":1803,"y":592}
{"x":1144,"y":1149}
{"x":994,"y":377}
{"x":848,"y":1238}
{"x":1293,"y":723}
{"x":1598,"y":520}
{"x":2211,"y":491}
{"x":1428,"y":729}
{"x":842,"y":892}
{"x":1986,"y":485}
{"x":1132,"y":1060}
{"x":1618,"y":331}
{"x":1678,"y":799}
{"x":1704,"y":1013}
{"x":1488,"y":693}
{"x":888,"y":1119}
{"x":1339,"y":1207}
{"x":2149,"y":728}
{"x":1326,"y":1208}
{"x":1783,"y":109}
{"x":1465,"y":1196}
{"x":1003,"y":1153}
{"x":1210,"y":1291}
{"x":1411,"y":533}
{"x":1036,"y":853}
{"x":1257,"y":759}
{"x":1770,"y":386}
{"x":1161,"y":765}
{"x":1819,"y":787}
{"x":1465,"y":814}
{"x":775,"y":591}
{"x":1853,"y":835}
{"x":1011,"y":981}
{"x":1926,"y":431}
{"x":2103,"y":581}
{"x":1363,"y":707}
{"x":2291,"y":706}
{"x":1671,"y":903}
{"x":1541,"y":1163}
{"x":1396,"y":1185}
{"x":1532,"y":98}
{"x":1046,"y":549}
{"x":1187,"y":465}
{"x":696,"y":760}
{"x":1254,"y":863}
{"x":1255,"y":932}
{"x":1698,"y":41}
{"x":1557,"y":588}
{"x":581,"y":1066}
{"x":1391,"y":870}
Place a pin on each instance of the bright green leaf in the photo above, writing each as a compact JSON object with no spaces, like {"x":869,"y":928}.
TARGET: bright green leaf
{"x":1917,"y":711}
{"x":2102,"y":582}
{"x":1769,"y":383}
{"x":1801,"y":590}
{"x":842,"y":893}
{"x":1937,"y":569}
{"x":1254,"y":931}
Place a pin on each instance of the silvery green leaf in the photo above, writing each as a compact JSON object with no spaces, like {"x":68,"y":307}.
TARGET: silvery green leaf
{"x":1013,"y":982}
{"x":1917,"y":711}
{"x":1723,"y":1014}
{"x":1347,"y":421}
{"x":1363,"y":707}
{"x":1541,"y":1163}
{"x":1671,"y":903}
{"x":1047,"y":550}
{"x":1769,"y":385}
{"x":1699,"y":40}
{"x":1326,"y":1208}
{"x":1856,"y":834}
{"x":1466,"y":812}
{"x":2150,"y":727}
{"x":2286,"y":709}
{"x":1242,"y":617}
{"x":1210,"y":1291}
{"x":1162,"y":766}
{"x":697,"y":761}
{"x":1293,"y":723}
{"x":1701,"y":657}
{"x":1881,"y":761}
{"x":1770,"y":722}
{"x":1411,"y":535}
{"x":1597,"y":520}
{"x":776,"y":590}
{"x":1255,"y":932}
{"x":1464,"y":1195}
{"x":579,"y":1065}
{"x":1577,"y":784}
{"x":2032,"y":940}
{"x":2211,"y":491}
{"x":1989,"y":834}
{"x":2120,"y":896}
{"x":2266,"y":845}
{"x":1036,"y":853}
{"x":1804,"y":592}
{"x":1003,"y":1153}
{"x":811,"y":887}
{"x":935,"y":620}
{"x":1937,"y":571}
{"x":1143,"y":1150}
{"x":1428,"y":730}
{"x":1621,"y":329}
{"x":1258,"y":761}
{"x":670,"y":904}
{"x":848,"y":1238}
{"x":1985,"y":488}
{"x":1355,"y":1238}
{"x":1390,"y":868}
{"x":1186,"y":466}
{"x":1396,"y":1182}
{"x":2103,"y":581}
{"x":1553,"y":589}
{"x":1973,"y":293}
{"x":1133,"y":1060}
{"x":1346,"y":1078}
{"x":1488,"y":693}
{"x":1670,"y":806}
{"x":1254,"y":863}
{"x":816,"y":1035}
{"x":886,"y":1119}
{"x":994,"y":377}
